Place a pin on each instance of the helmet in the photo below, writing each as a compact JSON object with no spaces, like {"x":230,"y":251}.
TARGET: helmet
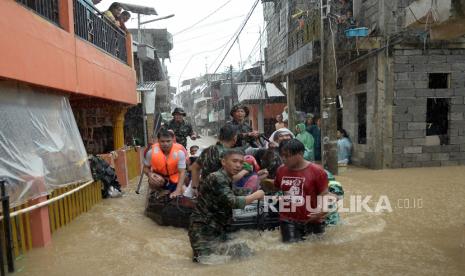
{"x":179,"y":110}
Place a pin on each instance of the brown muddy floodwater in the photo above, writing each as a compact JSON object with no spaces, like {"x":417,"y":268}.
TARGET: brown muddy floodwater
{"x":115,"y":238}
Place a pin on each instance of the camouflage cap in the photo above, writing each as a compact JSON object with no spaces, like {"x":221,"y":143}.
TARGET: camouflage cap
{"x":237,"y":107}
{"x":179,"y":110}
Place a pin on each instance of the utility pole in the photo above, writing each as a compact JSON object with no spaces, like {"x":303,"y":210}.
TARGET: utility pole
{"x":141,"y":80}
{"x":328,"y":93}
{"x":233,"y":93}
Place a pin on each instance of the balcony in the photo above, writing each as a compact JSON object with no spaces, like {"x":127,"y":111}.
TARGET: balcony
{"x":303,"y":30}
{"x":446,"y":18}
{"x":66,"y":45}
{"x":46,"y":8}
{"x":91,"y":25}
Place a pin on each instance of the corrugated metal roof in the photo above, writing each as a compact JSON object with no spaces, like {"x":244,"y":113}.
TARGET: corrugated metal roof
{"x":255,"y":91}
{"x":273,"y":91}
{"x":146,"y":86}
{"x":250,"y":91}
{"x":138,"y":9}
{"x":202,"y":99}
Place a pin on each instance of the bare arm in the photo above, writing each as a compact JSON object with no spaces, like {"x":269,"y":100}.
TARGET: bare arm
{"x":255,"y":196}
{"x":147,"y":170}
{"x":239,"y":176}
{"x":195,"y":174}
{"x":182,"y":176}
{"x":155,"y":180}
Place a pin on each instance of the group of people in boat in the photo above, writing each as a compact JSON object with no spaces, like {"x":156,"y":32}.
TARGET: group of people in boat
{"x":232,"y":174}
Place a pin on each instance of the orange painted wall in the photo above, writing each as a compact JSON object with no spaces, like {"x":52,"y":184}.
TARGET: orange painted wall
{"x":271,"y":110}
{"x":36,"y":51}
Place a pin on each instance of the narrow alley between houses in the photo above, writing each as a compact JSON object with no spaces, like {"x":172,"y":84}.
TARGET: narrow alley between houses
{"x":288,"y":137}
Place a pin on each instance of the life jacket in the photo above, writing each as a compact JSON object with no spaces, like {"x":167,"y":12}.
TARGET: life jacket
{"x":167,"y":166}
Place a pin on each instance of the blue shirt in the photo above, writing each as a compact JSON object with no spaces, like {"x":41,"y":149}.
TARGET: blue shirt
{"x":344,"y":150}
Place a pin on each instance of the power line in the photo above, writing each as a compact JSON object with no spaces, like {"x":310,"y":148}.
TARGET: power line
{"x":232,"y":37}
{"x":237,"y":36}
{"x":203,"y":19}
{"x":204,"y":35}
{"x":196,"y":54}
{"x":216,"y":23}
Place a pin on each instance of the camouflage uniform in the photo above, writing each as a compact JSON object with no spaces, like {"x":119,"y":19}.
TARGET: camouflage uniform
{"x":181,"y":131}
{"x":210,"y":159}
{"x":213,"y":212}
{"x":242,"y":141}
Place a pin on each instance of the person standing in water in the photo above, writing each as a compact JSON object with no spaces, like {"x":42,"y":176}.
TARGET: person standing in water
{"x":213,"y":211}
{"x":300,"y":181}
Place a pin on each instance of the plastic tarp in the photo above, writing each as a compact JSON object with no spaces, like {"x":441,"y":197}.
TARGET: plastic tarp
{"x":40,"y":145}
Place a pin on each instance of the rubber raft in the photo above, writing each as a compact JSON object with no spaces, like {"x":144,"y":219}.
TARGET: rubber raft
{"x":176,"y":212}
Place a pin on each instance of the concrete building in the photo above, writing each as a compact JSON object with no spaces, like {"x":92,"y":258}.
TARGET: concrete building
{"x":67,"y":79}
{"x":402,"y":86}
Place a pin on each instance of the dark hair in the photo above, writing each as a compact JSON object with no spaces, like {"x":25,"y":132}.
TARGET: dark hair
{"x":115,"y":5}
{"x":227,"y":133}
{"x":293,"y":147}
{"x":344,"y":133}
{"x":316,"y":118}
{"x":232,"y":151}
{"x":126,"y":13}
{"x":165,"y":133}
{"x":194,"y":147}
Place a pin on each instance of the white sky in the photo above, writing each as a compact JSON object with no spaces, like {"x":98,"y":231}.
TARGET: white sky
{"x":209,"y":35}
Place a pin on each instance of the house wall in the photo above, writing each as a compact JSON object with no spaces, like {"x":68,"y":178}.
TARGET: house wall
{"x":271,"y":110}
{"x":38,"y":52}
{"x":276,"y":30}
{"x":411,"y":70}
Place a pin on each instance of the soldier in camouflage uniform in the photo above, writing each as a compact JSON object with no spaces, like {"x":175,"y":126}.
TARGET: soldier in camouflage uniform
{"x":246,"y":136}
{"x":213,"y":212}
{"x":181,"y":128}
{"x":210,"y":158}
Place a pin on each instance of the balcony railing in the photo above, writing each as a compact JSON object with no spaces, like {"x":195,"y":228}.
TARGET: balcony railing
{"x":303,"y":30}
{"x":91,"y":25}
{"x":45,"y":8}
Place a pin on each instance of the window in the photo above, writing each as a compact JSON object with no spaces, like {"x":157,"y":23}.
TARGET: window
{"x":362,"y":118}
{"x":339,"y":84}
{"x":437,"y":122}
{"x":439,"y":80}
{"x":362,"y":77}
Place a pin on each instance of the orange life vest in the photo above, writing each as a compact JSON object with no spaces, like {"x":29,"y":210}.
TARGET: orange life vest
{"x":167,"y":166}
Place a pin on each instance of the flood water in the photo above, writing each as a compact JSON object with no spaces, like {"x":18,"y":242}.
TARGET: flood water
{"x":115,"y":238}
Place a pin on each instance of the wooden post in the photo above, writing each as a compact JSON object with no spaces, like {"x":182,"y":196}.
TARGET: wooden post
{"x":118,"y":128}
{"x":291,"y":102}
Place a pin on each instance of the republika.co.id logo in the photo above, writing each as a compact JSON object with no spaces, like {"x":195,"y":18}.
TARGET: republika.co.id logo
{"x":331,"y":203}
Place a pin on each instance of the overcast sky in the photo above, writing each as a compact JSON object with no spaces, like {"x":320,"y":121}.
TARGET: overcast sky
{"x":209,"y":35}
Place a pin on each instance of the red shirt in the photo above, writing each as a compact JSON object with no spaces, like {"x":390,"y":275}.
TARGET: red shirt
{"x":299,"y":187}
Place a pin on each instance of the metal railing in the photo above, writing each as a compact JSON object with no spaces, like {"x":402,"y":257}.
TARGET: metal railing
{"x":46,"y":8}
{"x":91,"y":25}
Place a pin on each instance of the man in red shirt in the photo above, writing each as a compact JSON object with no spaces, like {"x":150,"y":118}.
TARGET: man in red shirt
{"x":301,"y":182}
